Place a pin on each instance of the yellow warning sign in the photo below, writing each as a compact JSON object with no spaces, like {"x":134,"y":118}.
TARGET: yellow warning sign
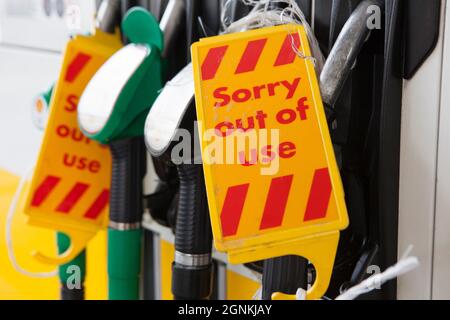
{"x":70,"y":186}
{"x":272,"y":180}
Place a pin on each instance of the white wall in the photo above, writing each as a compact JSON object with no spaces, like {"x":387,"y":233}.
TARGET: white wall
{"x":23,"y":75}
{"x":441,"y":254}
{"x":30,"y":46}
{"x":421,"y":111}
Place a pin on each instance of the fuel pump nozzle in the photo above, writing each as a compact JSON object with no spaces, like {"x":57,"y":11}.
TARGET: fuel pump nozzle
{"x":107,"y":20}
{"x":108,"y":16}
{"x":123,"y":91}
{"x":287,"y":274}
{"x":173,"y":110}
{"x":345,"y":51}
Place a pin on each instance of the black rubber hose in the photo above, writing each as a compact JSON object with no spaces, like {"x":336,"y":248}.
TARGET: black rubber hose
{"x":193,"y":229}
{"x":125,"y":216}
{"x":163,"y":202}
{"x":128,"y":170}
{"x":284,"y":274}
{"x":193,"y":236}
{"x":71,"y":294}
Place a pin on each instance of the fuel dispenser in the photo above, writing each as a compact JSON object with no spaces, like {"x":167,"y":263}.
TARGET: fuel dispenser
{"x":357,"y":249}
{"x":40,"y":110}
{"x":285,"y":274}
{"x":84,"y":54}
{"x":122,"y":92}
{"x":366,"y":126}
{"x":192,"y":267}
{"x":254,"y":218}
{"x":174,"y":110}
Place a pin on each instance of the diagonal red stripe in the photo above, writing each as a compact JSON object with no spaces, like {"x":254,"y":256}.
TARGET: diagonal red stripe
{"x":212,"y":62}
{"x":287,"y":54}
{"x":251,"y":56}
{"x":276,"y":202}
{"x":44,"y":190}
{"x":319,"y":196}
{"x":72,"y":197}
{"x":99,"y":204}
{"x":76,"y":66}
{"x":232,"y":209}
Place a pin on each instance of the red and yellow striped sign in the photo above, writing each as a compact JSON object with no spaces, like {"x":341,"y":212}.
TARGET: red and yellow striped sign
{"x":92,"y":211}
{"x":283,"y":190}
{"x":276,"y":202}
{"x":70,"y":186}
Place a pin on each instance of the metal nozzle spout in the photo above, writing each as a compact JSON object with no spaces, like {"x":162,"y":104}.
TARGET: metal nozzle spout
{"x":170,"y":22}
{"x":343,"y":56}
{"x":108,"y":15}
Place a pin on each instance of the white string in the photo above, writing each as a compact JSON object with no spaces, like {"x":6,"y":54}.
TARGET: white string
{"x":405,"y":265}
{"x":262,"y":15}
{"x":8,"y":233}
{"x":258,"y":294}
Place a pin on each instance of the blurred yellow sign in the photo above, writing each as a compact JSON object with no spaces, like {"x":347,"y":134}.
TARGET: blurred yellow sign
{"x":272,"y":180}
{"x":70,"y":187}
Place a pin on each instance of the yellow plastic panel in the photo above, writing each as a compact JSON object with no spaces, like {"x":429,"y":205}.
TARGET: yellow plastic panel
{"x":14,"y":285}
{"x":167,"y":255}
{"x":70,"y":186}
{"x":240,"y":287}
{"x":272,"y":179}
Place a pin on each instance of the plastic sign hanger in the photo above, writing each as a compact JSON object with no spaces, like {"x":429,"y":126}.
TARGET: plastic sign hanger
{"x":70,"y":186}
{"x":284,"y":197}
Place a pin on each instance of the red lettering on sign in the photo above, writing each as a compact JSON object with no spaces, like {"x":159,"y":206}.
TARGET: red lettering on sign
{"x":226,"y":128}
{"x":74,"y":134}
{"x":302,"y":107}
{"x":242,"y":95}
{"x":253,"y":158}
{"x":81,"y":163}
{"x":268,"y":154}
{"x":287,"y":150}
{"x":94,"y":166}
{"x":72,"y":103}
{"x":286,"y":116}
{"x":224,"y":97}
{"x":284,"y":150}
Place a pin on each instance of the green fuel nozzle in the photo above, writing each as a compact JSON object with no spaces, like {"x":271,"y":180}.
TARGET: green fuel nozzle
{"x":112,"y":110}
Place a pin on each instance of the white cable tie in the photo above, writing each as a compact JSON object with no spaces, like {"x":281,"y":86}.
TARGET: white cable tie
{"x":404,"y":266}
